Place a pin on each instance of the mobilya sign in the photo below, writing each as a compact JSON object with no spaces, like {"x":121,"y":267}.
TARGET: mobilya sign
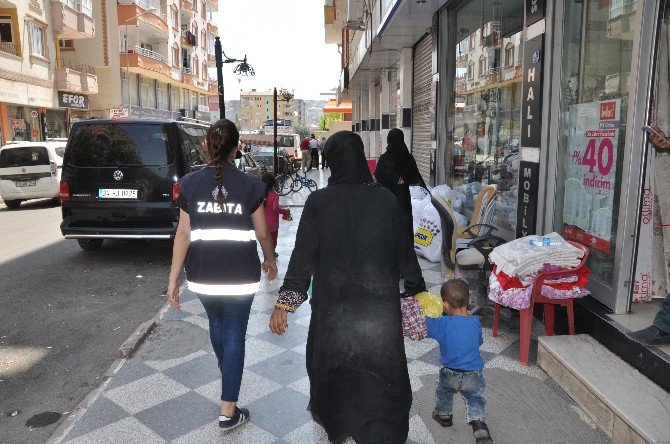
{"x":71,"y":100}
{"x":531,"y":124}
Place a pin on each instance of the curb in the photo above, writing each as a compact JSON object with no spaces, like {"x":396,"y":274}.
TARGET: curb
{"x":124,"y":352}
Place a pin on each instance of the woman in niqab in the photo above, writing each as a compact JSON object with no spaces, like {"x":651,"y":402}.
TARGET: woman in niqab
{"x":397,"y":170}
{"x":349,"y":239}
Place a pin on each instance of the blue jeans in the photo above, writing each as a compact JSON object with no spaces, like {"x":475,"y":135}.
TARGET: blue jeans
{"x":228,"y":318}
{"x":470,"y":384}
{"x":662,"y":320}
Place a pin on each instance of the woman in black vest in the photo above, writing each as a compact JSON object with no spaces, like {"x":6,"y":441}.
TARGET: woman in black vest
{"x":221,"y":216}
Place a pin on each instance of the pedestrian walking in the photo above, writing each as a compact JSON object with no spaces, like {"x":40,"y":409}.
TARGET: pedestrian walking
{"x":306,"y":152}
{"x":314,"y":146}
{"x":349,"y":242}
{"x":221,"y":215}
{"x":322,"y":148}
{"x":272,"y":208}
{"x":397,"y":170}
{"x":459,"y":336}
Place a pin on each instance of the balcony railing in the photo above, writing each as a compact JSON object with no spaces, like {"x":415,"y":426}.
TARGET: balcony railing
{"x":10,"y":48}
{"x":149,"y":53}
{"x":65,"y":63}
{"x":187,"y":70}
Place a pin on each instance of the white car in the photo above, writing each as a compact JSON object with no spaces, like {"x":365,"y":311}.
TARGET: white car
{"x":30,"y":170}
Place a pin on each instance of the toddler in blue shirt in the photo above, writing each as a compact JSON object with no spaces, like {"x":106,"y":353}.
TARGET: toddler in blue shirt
{"x":459,"y":336}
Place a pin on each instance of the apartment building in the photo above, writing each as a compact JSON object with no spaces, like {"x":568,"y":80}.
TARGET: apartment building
{"x":152,"y":56}
{"x":40,"y":89}
{"x":257,"y":110}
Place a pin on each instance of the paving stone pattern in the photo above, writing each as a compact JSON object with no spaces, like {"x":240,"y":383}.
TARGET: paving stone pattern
{"x":170,"y":390}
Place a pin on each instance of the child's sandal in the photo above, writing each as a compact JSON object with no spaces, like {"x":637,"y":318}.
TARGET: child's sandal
{"x":443,"y":420}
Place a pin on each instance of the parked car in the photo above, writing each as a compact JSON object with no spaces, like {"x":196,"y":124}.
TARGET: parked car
{"x":264,"y":156}
{"x":248,"y":165}
{"x":120,"y":178}
{"x":30,"y":170}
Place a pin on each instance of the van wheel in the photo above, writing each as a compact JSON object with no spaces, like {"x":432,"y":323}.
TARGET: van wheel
{"x":13,"y":204}
{"x":90,"y":244}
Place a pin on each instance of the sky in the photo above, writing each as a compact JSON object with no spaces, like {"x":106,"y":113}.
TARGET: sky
{"x":284,"y":43}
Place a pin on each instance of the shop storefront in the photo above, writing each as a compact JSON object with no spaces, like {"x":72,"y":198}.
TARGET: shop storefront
{"x":547,"y":102}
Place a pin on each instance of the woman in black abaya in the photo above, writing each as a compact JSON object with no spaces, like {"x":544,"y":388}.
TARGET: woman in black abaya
{"x":397,"y":170}
{"x":350,"y":240}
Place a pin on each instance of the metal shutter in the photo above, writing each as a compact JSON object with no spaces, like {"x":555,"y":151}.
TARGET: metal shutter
{"x":422,"y":120}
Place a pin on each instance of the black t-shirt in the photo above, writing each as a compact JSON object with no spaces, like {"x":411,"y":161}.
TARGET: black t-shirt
{"x":223,"y":257}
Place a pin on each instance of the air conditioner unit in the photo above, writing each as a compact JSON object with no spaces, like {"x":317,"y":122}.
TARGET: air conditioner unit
{"x":355,"y":14}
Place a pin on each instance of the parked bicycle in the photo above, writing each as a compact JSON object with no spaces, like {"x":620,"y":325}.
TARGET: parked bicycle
{"x":300,"y":181}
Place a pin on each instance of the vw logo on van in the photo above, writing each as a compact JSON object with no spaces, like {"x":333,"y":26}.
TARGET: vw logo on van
{"x":118,"y":175}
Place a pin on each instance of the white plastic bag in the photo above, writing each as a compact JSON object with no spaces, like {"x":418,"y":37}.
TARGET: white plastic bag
{"x":428,"y":234}
{"x":417,"y":192}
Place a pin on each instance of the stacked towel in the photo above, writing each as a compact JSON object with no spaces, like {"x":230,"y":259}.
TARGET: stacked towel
{"x":520,"y":258}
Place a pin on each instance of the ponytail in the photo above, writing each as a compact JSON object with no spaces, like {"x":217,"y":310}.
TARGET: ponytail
{"x":222,"y":138}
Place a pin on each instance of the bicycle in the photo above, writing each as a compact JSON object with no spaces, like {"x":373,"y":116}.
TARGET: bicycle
{"x":284,"y":181}
{"x":302,"y":181}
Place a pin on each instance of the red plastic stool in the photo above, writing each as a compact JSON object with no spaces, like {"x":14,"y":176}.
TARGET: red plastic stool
{"x":526,"y":316}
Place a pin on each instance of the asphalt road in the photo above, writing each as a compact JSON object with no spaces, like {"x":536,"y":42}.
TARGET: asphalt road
{"x":63,"y":314}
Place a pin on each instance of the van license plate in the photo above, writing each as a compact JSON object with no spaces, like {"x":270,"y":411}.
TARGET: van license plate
{"x":29,"y":183}
{"x":116,"y":193}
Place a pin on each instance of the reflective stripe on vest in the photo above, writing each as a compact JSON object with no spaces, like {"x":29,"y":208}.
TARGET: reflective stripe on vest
{"x":224,"y":290}
{"x":223,"y":234}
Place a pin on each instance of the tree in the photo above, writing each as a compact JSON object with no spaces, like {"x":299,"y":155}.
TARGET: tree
{"x":325,"y":120}
{"x":302,"y":130}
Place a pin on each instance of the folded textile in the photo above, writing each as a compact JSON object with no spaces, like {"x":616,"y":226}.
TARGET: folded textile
{"x":520,"y":258}
{"x":413,"y":321}
{"x":580,"y":278}
{"x":519,"y":298}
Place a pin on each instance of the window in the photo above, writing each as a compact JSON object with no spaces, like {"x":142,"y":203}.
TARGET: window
{"x":148,"y":46}
{"x":175,"y":17}
{"x":204,"y":70}
{"x":186,"y":60}
{"x":175,"y":56}
{"x":113,"y":144}
{"x":485,"y":123}
{"x":196,"y":67}
{"x":66,"y":45}
{"x":6,"y":29}
{"x":509,"y":55}
{"x":36,"y":33}
{"x":203,"y":39}
{"x":203,"y":10}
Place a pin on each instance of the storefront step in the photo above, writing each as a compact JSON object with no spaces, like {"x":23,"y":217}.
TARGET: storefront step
{"x":623,"y":402}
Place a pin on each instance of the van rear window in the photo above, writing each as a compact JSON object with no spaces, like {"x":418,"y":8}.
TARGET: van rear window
{"x":24,"y":156}
{"x":119,"y":144}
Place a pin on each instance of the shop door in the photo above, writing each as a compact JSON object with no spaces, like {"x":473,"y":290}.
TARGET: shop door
{"x":422,"y":119}
{"x":603,"y":105}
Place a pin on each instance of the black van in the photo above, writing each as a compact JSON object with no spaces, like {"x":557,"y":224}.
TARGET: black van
{"x":119,"y":178}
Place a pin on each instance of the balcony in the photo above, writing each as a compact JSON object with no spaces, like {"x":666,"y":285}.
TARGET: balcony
{"x":76,"y":78}
{"x":145,"y":59}
{"x":128,"y":10}
{"x":10,"y":48}
{"x":214,"y":4}
{"x":462,"y":59}
{"x":213,"y":87}
{"x":186,"y":5}
{"x":492,"y":40}
{"x":72,"y":19}
{"x":188,"y":38}
{"x":213,"y":29}
{"x":188,"y":76}
{"x":211,"y":59}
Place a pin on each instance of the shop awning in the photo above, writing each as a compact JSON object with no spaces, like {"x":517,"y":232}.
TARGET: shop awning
{"x":332,"y":107}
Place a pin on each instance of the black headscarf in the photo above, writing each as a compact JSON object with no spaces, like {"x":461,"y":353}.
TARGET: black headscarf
{"x":346,"y":159}
{"x":404,"y":161}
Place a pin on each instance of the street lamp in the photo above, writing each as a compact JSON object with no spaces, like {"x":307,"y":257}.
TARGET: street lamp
{"x":286,"y":96}
{"x":243,"y":69}
{"x":150,"y":9}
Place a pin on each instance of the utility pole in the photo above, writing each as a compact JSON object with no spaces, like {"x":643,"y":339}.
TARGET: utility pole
{"x":274,"y":130}
{"x":219,"y":76}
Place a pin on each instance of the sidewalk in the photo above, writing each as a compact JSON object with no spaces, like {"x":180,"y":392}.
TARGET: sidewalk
{"x":169,"y":391}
